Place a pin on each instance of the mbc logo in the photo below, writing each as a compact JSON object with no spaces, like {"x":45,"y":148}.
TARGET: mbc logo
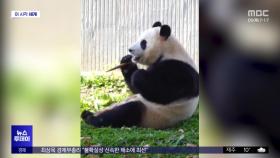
{"x":258,"y":13}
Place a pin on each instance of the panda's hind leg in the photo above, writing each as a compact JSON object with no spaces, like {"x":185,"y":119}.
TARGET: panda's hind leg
{"x":127,"y":114}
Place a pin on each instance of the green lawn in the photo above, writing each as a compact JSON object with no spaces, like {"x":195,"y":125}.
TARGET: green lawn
{"x":100,"y":91}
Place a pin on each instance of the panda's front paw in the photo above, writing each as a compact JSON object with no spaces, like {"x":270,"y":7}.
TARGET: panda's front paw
{"x":130,"y":66}
{"x":126,"y":59}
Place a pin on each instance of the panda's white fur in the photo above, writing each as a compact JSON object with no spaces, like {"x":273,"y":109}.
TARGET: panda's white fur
{"x":171,"y":49}
{"x":157,"y":115}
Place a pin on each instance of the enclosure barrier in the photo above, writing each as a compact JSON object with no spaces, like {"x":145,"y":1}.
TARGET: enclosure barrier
{"x":109,"y":27}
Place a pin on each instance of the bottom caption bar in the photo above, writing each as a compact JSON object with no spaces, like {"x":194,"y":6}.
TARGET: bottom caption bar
{"x":145,"y":150}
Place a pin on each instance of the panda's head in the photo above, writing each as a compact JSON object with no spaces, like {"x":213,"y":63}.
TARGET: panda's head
{"x":151,"y":43}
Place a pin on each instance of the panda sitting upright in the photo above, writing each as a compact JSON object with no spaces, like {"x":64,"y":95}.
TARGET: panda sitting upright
{"x":165,"y":93}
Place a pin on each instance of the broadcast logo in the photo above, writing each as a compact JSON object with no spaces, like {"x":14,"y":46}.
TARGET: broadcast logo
{"x":258,"y":16}
{"x":21,"y":136}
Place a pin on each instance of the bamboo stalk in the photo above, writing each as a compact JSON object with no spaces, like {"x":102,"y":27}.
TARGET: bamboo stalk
{"x":117,"y":67}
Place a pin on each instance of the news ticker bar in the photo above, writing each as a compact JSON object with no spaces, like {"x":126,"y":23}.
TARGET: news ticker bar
{"x":141,"y":150}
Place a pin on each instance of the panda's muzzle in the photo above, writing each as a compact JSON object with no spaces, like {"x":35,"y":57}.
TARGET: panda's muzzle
{"x":133,"y":52}
{"x":136,"y":58}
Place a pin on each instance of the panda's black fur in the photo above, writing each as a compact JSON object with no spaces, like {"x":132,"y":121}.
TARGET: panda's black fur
{"x":127,"y":114}
{"x":164,"y":81}
{"x":157,"y":89}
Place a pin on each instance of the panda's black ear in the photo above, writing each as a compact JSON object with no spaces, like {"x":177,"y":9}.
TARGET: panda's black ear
{"x":165,"y":31}
{"x":156,"y":24}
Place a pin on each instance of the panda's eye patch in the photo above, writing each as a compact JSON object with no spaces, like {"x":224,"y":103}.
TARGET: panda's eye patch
{"x":143,"y":44}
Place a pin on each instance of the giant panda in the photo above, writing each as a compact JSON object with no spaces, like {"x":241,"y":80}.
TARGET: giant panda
{"x":165,"y":93}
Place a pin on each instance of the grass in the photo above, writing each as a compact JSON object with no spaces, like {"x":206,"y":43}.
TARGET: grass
{"x":101,"y":91}
{"x":98,"y":92}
